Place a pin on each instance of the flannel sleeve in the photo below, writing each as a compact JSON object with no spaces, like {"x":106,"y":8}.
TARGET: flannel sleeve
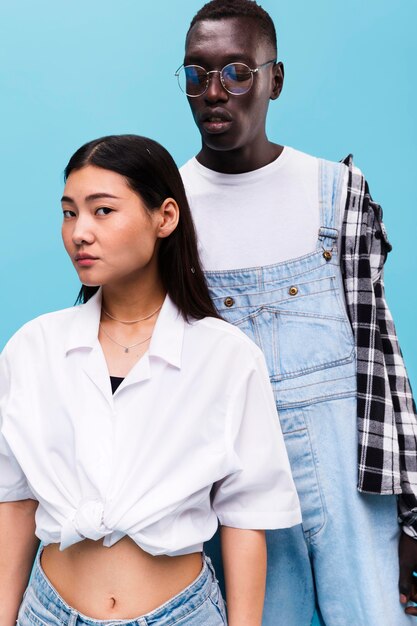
{"x":402,"y":399}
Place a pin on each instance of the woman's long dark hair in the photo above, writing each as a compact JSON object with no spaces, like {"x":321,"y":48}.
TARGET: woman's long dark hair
{"x":151,"y":172}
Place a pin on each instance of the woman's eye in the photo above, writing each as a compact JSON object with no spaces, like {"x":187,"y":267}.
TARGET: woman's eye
{"x":68,"y":214}
{"x":104,"y":211}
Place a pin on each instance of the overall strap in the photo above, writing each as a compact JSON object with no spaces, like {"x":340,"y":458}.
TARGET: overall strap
{"x":331,"y":177}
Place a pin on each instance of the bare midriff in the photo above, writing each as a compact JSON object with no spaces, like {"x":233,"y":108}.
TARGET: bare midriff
{"x":120,"y":582}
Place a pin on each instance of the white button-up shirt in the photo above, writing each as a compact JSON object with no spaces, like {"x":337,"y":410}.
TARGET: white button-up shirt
{"x":190,"y":436}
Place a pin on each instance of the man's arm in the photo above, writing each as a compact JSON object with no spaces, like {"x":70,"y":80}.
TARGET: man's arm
{"x":18,"y":546}
{"x":386,"y":410}
{"x":405,"y":415}
{"x":244,"y":562}
{"x":406,"y":424}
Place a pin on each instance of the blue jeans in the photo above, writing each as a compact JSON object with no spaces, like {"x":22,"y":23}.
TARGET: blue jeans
{"x":342,"y":561}
{"x":200,"y":604}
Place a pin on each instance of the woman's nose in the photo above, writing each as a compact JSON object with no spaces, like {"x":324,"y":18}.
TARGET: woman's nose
{"x":83,"y":232}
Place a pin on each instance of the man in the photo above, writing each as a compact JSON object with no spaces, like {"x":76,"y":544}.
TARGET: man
{"x":288,"y":242}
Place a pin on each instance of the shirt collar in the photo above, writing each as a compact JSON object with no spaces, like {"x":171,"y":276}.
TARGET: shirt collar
{"x":167,"y":338}
{"x":83,"y":331}
{"x":168,"y":335}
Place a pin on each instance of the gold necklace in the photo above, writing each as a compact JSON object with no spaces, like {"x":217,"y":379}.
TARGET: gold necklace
{"x":126,"y":348}
{"x":142,"y":319}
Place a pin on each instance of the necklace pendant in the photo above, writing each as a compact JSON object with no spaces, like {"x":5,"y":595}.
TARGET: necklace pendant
{"x":126,"y":349}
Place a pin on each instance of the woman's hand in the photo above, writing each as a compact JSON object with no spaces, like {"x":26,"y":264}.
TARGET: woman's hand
{"x":244,"y":563}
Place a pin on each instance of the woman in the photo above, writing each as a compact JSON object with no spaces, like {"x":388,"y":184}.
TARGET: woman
{"x":134,"y":422}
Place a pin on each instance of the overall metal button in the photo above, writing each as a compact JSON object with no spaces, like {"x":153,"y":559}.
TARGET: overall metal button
{"x":229,"y":302}
{"x":293,"y":290}
{"x":327,"y":255}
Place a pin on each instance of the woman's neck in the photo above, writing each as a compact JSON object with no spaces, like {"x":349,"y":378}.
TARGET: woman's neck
{"x":131,"y":302}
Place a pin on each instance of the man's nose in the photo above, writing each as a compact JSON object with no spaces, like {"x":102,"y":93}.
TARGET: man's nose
{"x":215,"y":90}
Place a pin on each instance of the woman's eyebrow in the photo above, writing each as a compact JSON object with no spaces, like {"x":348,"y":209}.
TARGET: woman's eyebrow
{"x":92,"y":196}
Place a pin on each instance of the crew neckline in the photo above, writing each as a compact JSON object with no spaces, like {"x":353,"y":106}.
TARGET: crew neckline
{"x":252,"y":176}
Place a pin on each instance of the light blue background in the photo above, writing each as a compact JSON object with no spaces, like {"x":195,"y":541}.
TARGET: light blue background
{"x":73,"y":71}
{"x":70,"y":72}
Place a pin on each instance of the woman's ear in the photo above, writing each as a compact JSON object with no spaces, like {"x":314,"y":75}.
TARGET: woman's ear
{"x":169,"y":214}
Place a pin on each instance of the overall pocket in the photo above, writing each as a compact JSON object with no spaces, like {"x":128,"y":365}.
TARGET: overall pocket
{"x":301,"y":328}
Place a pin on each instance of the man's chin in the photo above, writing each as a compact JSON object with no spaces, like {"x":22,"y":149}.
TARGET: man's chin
{"x":221,"y":142}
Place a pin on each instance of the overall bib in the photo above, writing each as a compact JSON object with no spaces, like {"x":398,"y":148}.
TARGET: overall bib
{"x":342,"y":561}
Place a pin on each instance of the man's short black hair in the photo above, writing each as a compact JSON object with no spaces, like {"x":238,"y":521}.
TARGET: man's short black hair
{"x":220,"y":9}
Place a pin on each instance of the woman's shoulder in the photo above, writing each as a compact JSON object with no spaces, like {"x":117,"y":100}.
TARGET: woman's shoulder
{"x":48,"y":327}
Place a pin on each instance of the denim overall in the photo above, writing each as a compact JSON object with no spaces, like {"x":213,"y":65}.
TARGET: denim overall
{"x":343,"y":559}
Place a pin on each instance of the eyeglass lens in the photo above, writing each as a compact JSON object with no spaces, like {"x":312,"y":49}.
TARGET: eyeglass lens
{"x":236,"y":78}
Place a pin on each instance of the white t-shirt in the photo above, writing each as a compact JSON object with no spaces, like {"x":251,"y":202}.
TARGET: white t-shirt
{"x":258,"y":218}
{"x":190,"y":436}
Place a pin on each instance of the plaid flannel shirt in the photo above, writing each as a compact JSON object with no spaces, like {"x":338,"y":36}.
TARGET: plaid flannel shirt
{"x":387,"y":419}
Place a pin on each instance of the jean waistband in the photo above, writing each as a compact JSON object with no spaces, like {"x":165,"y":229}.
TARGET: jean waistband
{"x":168,"y":613}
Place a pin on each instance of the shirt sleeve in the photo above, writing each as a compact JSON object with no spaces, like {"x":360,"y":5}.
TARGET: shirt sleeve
{"x":13,"y":483}
{"x":261,"y":494}
{"x":403,"y":403}
{"x":404,"y":411}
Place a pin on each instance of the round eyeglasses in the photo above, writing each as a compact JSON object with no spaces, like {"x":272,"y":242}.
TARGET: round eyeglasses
{"x":236,"y":78}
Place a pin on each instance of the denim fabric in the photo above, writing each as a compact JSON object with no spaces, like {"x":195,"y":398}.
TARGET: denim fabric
{"x":343,"y":559}
{"x":200,"y":604}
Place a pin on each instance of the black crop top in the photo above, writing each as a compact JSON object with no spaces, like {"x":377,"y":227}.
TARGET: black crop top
{"x":115,"y":382}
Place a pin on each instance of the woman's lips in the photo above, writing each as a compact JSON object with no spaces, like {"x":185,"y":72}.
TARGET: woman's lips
{"x":85,"y":261}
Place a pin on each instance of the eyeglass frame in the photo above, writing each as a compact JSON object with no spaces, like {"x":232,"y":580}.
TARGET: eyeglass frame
{"x":252,"y":71}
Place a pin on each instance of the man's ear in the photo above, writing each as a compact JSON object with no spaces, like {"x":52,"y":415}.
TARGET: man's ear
{"x":277,"y":80}
{"x":169,"y":214}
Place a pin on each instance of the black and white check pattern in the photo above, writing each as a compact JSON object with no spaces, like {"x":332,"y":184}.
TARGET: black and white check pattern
{"x":387,"y":418}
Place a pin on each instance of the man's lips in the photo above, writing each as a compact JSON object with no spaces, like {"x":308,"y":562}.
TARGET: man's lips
{"x":215,"y":120}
